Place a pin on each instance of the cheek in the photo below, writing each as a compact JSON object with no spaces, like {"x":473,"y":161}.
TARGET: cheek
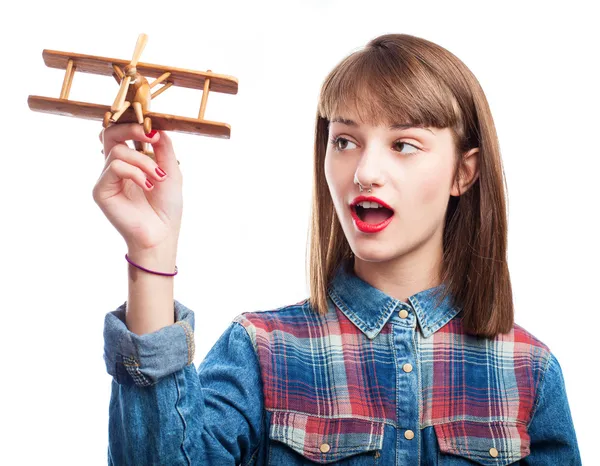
{"x":335,"y":174}
{"x":429,"y":200}
{"x":330,"y":177}
{"x":431,"y":190}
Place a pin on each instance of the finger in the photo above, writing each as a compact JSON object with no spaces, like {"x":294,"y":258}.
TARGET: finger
{"x":122,"y":132}
{"x":164,"y":153}
{"x":101,"y":135}
{"x":137,"y":159}
{"x":117,"y":171}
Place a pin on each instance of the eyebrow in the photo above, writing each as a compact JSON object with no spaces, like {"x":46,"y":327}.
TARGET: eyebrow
{"x":348,"y":122}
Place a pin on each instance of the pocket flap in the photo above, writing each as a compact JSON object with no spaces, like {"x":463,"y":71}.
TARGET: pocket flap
{"x":487,"y":443}
{"x":324,"y":440}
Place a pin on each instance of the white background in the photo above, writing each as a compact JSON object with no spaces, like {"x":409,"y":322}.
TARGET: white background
{"x":247,"y":199}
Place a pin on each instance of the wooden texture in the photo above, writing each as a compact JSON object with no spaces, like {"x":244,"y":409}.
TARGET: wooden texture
{"x":115,"y":116}
{"x":161,"y":90}
{"x":160,"y":79}
{"x":160,"y":121}
{"x":68,"y":80}
{"x":204,"y":98}
{"x":118,"y":73}
{"x":121,"y":95}
{"x":139,"y":48}
{"x":104,"y":66}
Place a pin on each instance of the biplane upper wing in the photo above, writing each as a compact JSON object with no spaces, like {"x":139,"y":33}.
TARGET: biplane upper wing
{"x":179,"y":77}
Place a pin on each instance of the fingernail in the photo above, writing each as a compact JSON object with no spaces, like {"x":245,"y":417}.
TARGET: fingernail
{"x":151,"y":133}
{"x":160,"y":171}
{"x":149,"y":183}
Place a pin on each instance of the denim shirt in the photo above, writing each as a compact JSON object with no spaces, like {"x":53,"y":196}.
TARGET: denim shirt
{"x":376,"y":381}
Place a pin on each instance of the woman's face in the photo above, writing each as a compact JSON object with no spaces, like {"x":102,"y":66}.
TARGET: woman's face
{"x":411,"y":170}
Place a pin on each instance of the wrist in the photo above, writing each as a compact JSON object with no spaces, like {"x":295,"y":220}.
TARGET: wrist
{"x":160,"y":259}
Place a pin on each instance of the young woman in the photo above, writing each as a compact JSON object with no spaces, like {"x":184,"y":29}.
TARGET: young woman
{"x":406,"y":351}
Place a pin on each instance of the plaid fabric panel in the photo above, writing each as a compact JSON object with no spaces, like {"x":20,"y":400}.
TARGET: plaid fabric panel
{"x":475,"y":439}
{"x":479,"y":393}
{"x":345,"y":436}
{"x":321,"y":372}
{"x":323,"y":365}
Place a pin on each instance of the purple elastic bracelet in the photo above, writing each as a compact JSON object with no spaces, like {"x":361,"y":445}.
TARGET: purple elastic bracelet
{"x":151,"y":271}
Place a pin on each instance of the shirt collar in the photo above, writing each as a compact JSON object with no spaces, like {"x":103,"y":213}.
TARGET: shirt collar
{"x":369,"y":308}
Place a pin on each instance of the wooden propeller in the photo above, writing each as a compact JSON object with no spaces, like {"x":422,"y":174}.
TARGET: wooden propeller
{"x":137,"y":53}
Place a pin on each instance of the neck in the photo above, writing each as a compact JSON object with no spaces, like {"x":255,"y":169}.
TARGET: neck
{"x":404,"y":275}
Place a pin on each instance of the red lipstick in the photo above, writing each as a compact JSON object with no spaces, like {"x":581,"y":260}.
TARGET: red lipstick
{"x":369,"y":227}
{"x":370,"y":199}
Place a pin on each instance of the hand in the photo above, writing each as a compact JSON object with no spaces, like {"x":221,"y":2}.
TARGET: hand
{"x":146,"y":217}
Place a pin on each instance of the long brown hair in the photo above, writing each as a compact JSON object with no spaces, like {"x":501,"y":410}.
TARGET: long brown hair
{"x":403,"y":78}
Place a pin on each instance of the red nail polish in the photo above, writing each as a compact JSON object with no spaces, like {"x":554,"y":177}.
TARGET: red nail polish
{"x":151,"y":133}
{"x":149,"y":183}
{"x":160,"y":171}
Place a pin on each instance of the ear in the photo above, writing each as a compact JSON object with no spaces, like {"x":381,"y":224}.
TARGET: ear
{"x":468,"y":172}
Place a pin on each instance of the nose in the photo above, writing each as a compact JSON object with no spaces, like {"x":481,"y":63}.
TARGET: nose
{"x":368,"y":173}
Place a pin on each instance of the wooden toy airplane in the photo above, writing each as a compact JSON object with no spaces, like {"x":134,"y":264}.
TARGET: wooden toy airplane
{"x":132,"y":103}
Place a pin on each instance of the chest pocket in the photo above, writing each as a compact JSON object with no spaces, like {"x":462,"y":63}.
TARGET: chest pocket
{"x":497,"y":443}
{"x":298,"y":437}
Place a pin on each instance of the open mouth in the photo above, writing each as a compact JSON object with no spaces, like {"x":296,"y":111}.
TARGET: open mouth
{"x":372,"y":215}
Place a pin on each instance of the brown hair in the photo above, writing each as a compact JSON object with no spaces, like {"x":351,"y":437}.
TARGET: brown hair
{"x":403,"y":78}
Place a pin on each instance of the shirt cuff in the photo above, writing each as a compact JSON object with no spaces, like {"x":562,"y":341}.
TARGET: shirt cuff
{"x":144,"y":359}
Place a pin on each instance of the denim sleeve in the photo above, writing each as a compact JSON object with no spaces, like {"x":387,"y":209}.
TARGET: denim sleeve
{"x":551,"y":429}
{"x":165,"y":411}
{"x":144,"y":359}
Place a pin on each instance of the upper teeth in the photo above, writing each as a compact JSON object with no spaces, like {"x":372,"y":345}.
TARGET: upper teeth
{"x":369,"y":205}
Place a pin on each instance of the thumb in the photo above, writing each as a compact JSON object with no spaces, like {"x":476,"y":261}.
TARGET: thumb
{"x":163,"y":152}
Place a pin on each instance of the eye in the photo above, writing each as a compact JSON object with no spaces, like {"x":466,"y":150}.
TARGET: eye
{"x":400,"y":143}
{"x":336,"y":140}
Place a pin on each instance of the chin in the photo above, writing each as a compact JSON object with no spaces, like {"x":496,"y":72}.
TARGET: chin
{"x":374,"y":254}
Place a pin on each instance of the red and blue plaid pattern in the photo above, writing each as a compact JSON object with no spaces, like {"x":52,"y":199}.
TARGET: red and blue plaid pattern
{"x":479,"y":393}
{"x":322,"y":366}
{"x":333,"y":377}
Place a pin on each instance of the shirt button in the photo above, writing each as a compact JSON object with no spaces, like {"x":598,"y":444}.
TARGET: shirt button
{"x":409,"y":434}
{"x":407,"y":367}
{"x":493,"y":452}
{"x":325,"y":447}
{"x":403,"y":313}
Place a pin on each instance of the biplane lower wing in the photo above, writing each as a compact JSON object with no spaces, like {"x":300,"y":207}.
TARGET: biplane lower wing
{"x":160,"y":121}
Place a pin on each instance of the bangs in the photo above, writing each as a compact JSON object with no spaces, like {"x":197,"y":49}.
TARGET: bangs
{"x":383,"y":86}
